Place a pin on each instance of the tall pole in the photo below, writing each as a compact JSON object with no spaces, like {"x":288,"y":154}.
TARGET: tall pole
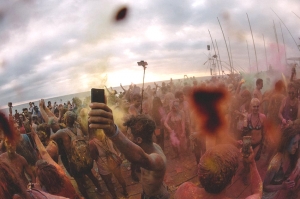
{"x":248,"y":54}
{"x":219,"y":57}
{"x":226,"y":46}
{"x":253,"y":43}
{"x":265,"y":52}
{"x":214,"y":50}
{"x":276,"y":35}
{"x":296,"y":15}
{"x":283,"y":42}
{"x":230,"y":53}
{"x":144,"y":64}
{"x":287,"y":29}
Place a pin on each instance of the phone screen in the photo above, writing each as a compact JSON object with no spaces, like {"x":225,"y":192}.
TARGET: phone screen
{"x":97,"y":95}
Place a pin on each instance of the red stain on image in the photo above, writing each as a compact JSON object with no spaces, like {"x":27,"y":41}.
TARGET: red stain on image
{"x":207,"y":103}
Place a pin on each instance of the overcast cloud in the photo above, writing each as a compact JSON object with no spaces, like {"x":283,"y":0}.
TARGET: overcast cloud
{"x":52,"y":48}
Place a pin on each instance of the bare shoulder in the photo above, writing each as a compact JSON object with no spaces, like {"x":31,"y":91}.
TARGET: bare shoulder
{"x":59,"y":134}
{"x":262,"y":116}
{"x":158,"y":158}
{"x":189,"y":190}
{"x":22,"y":160}
{"x":275,"y":162}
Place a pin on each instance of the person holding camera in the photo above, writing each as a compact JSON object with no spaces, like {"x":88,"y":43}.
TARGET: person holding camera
{"x":142,"y":151}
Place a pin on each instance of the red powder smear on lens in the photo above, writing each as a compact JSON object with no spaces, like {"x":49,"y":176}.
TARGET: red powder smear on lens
{"x":7,"y":127}
{"x":121,"y":14}
{"x":208,"y":103}
{"x":273,"y":133}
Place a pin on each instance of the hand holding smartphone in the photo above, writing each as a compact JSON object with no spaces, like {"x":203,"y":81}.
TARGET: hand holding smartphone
{"x":97,"y":95}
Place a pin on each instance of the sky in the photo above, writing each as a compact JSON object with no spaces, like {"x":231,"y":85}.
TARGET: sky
{"x":53,"y":48}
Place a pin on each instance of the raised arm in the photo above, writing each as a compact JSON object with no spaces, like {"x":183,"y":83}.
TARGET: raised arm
{"x":101,"y":117}
{"x":107,"y":90}
{"x":42,"y":110}
{"x":27,"y":169}
{"x":256,"y":183}
{"x":123,"y":88}
{"x":42,"y":150}
{"x":238,"y":89}
{"x":167,"y":121}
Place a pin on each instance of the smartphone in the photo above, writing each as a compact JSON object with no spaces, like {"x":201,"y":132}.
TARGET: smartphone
{"x":97,"y":95}
{"x":246,"y":146}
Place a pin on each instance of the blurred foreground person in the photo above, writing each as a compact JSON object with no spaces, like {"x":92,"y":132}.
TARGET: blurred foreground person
{"x":10,"y":186}
{"x":17,"y":162}
{"x":283,"y":173}
{"x":216,"y":169}
{"x":148,"y":155}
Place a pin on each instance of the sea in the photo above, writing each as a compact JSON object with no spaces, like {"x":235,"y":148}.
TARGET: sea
{"x":82,"y":95}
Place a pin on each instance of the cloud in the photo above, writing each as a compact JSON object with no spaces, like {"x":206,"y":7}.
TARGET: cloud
{"x":52,"y":47}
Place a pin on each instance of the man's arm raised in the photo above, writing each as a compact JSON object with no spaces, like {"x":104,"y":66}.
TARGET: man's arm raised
{"x":101,"y":117}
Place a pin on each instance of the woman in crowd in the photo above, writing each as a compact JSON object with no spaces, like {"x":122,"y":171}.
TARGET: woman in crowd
{"x":241,"y":108}
{"x":255,"y":128}
{"x":283,"y":170}
{"x":50,"y":176}
{"x":158,"y":115}
{"x":100,"y":147}
{"x":175,"y":124}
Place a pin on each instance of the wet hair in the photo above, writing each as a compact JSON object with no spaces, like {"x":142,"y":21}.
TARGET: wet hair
{"x":157,"y":103}
{"x":178,"y":94}
{"x":136,"y":97}
{"x":286,"y":137}
{"x":70,"y":117}
{"x":141,"y":126}
{"x":292,"y":85}
{"x":45,"y":128}
{"x":49,"y":176}
{"x":77,"y":102}
{"x":217,"y":167}
{"x":10,"y":184}
{"x":56,"y":111}
{"x":254,"y":100}
{"x":279,"y":85}
{"x":259,"y":81}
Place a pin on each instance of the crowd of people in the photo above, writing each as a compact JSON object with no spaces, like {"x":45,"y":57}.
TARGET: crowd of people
{"x":136,"y":123}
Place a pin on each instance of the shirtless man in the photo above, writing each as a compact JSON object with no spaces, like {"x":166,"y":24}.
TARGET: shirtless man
{"x":143,"y":152}
{"x":289,"y":110}
{"x":216,"y":179}
{"x":17,"y":162}
{"x":257,"y":91}
{"x":135,"y":107}
{"x":63,"y":134}
{"x":184,"y":106}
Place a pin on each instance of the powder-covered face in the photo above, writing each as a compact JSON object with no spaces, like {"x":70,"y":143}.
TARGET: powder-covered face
{"x":292,"y":93}
{"x":255,"y":107}
{"x":294,"y":144}
{"x":11,"y":147}
{"x":175,"y":106}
